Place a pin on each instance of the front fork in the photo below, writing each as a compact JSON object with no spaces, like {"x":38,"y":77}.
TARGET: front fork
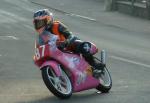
{"x":103,"y":57}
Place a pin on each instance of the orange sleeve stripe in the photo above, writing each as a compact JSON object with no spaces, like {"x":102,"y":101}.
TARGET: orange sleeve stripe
{"x":55,"y":31}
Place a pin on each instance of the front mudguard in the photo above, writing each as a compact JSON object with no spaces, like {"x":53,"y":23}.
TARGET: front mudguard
{"x":54,"y":65}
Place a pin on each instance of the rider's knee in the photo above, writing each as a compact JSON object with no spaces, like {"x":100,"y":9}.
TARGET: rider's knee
{"x":88,"y":48}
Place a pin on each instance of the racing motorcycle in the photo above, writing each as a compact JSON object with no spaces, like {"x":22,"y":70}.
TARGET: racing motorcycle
{"x":65,"y":73}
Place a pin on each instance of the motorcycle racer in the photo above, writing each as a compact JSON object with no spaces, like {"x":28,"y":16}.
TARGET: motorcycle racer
{"x":45,"y":24}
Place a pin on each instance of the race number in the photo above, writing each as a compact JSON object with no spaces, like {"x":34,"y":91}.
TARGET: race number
{"x":39,"y":52}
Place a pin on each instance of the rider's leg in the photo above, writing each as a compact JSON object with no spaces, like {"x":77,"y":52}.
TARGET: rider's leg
{"x":84,"y":48}
{"x":97,"y":67}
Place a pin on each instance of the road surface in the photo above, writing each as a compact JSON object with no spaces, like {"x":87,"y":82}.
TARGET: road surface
{"x":126,"y":40}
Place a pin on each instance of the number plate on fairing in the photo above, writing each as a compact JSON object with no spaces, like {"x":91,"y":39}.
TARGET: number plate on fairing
{"x":42,"y":51}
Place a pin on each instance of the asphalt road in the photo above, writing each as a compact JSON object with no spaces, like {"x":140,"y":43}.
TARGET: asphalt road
{"x":125,"y":38}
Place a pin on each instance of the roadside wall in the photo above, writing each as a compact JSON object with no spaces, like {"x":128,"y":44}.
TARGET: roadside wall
{"x":139,"y":8}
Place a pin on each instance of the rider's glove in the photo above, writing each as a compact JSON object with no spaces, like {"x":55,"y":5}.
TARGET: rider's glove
{"x":70,"y":40}
{"x":62,"y":45}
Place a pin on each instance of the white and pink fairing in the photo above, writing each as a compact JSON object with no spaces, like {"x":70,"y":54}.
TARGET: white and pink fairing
{"x":80,"y":71}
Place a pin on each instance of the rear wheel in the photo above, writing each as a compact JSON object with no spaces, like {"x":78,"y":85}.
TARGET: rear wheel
{"x":105,"y":81}
{"x":59,"y":86}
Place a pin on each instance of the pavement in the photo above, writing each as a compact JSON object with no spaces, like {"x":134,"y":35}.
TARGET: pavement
{"x":125,"y":38}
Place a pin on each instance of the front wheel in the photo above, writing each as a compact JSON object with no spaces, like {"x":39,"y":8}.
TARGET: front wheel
{"x":60,"y":86}
{"x":105,"y":81}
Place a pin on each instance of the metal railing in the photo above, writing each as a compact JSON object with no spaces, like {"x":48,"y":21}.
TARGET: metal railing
{"x":145,"y":4}
{"x":135,"y":1}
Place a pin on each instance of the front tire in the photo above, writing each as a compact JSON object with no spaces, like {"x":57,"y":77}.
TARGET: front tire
{"x":59,"y":86}
{"x":105,"y":81}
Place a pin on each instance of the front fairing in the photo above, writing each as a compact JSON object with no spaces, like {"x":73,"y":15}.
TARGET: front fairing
{"x":79,"y":70}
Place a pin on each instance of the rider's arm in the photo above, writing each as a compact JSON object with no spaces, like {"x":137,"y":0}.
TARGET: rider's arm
{"x":67,"y":34}
{"x":44,"y":37}
{"x":39,"y":41}
{"x":64,"y":31}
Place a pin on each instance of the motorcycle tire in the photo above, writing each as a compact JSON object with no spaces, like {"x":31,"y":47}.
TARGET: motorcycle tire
{"x":51,"y":81}
{"x":105,"y":86}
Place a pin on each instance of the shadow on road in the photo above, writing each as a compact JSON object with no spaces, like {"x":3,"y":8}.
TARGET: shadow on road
{"x":76,"y":98}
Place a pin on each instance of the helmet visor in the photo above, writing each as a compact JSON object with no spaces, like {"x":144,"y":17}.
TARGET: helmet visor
{"x":39,"y":23}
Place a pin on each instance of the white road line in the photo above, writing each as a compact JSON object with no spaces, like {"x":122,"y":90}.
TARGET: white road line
{"x":80,"y":16}
{"x":29,"y":27}
{"x":8,"y":16}
{"x":8,"y":37}
{"x":64,"y":12}
{"x":130,"y":61}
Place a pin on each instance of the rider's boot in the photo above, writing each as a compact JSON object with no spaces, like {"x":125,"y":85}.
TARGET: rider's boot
{"x":97,"y":67}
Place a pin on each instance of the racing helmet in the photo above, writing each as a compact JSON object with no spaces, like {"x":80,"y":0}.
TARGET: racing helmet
{"x":41,"y":19}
